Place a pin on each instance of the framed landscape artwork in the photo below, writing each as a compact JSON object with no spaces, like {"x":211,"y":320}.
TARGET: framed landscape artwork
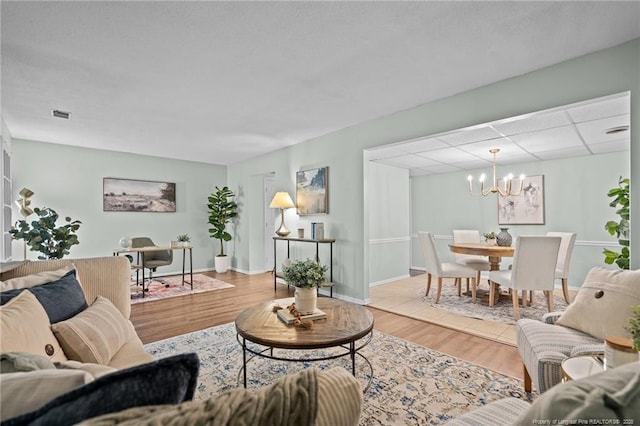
{"x":128,"y":195}
{"x":312,"y":192}
{"x":525,"y":209}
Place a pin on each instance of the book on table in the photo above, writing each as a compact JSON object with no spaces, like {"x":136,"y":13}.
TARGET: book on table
{"x":288,"y":318}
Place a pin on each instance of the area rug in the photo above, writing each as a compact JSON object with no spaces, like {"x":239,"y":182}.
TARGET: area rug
{"x":164,"y":287}
{"x":411,"y":384}
{"x":501,"y":312}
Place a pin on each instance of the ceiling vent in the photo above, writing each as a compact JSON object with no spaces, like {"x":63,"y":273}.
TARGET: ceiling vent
{"x":614,"y":130}
{"x":60,"y":114}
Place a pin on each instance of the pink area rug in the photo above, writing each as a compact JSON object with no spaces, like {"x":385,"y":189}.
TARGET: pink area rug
{"x":164,"y":287}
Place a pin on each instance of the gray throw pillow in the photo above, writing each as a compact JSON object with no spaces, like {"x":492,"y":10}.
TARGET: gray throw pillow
{"x":61,"y":299}
{"x":169,"y":380}
{"x":13,"y":362}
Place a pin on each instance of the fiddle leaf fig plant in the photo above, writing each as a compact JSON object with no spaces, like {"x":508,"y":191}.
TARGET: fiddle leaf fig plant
{"x":222,"y":209}
{"x":43,"y":236}
{"x":620,"y":228}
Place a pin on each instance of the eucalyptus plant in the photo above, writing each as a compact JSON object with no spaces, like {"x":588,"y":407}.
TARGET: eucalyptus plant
{"x":620,"y":229}
{"x":222,"y":209}
{"x":43,"y":236}
{"x":305,"y":273}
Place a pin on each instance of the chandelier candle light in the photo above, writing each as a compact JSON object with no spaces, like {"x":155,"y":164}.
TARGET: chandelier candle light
{"x":282,"y":200}
{"x":508,"y":182}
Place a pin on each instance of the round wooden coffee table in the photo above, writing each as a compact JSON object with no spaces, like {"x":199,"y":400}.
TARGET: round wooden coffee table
{"x":347,"y":326}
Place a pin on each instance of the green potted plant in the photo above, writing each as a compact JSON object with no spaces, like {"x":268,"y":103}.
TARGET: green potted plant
{"x":634,"y":327}
{"x":222,"y":209}
{"x":490,"y":238}
{"x":183,"y":240}
{"x":620,"y":229}
{"x":43,"y":236}
{"x":305,"y":276}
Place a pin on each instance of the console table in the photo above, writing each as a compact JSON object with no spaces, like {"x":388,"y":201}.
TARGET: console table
{"x":140,"y":261}
{"x":317,"y":242}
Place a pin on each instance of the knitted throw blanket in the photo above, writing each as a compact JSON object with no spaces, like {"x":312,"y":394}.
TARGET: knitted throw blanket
{"x":290,"y":401}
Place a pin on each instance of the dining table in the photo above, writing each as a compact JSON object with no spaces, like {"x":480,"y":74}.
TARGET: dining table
{"x":493,"y":252}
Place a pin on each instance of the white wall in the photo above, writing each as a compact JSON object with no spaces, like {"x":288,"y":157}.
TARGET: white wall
{"x":69,"y":180}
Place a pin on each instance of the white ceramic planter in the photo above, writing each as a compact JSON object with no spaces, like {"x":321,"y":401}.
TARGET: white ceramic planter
{"x":306,"y":300}
{"x":222,"y":264}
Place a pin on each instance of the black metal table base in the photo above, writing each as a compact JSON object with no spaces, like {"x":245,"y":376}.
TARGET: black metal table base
{"x":351,"y":350}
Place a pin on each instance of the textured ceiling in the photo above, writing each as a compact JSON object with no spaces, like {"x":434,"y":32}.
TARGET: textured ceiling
{"x":221,"y":82}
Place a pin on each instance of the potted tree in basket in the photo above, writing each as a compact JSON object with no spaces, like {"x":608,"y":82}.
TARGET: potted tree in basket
{"x":42,"y":235}
{"x":305,"y":276}
{"x":222,"y":209}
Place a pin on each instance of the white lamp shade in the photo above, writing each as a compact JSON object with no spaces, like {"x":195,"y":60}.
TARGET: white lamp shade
{"x":282,"y":200}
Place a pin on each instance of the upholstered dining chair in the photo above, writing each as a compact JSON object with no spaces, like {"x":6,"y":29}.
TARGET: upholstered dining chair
{"x":479,"y":263}
{"x":440,"y":270}
{"x":564,"y":260}
{"x":534,"y":265}
{"x":152,"y":259}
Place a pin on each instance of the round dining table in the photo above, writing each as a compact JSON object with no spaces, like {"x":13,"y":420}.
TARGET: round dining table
{"x":494,"y":253}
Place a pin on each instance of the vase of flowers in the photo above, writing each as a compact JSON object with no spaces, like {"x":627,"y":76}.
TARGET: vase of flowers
{"x":305,"y":276}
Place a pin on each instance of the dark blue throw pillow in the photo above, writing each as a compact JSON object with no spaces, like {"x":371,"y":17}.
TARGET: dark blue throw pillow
{"x":169,"y":380}
{"x":61,"y":299}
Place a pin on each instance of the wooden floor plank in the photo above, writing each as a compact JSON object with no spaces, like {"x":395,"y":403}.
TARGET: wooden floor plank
{"x":164,"y":318}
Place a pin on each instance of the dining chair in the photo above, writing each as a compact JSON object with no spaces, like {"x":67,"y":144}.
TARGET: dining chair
{"x":440,"y":270}
{"x":152,"y":259}
{"x":564,"y":259}
{"x":479,"y":263}
{"x":534,"y":265}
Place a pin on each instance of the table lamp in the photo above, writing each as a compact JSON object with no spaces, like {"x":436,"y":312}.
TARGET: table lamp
{"x":282,"y":201}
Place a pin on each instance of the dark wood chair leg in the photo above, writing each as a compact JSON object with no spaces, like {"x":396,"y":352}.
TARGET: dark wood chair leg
{"x":527,"y":379}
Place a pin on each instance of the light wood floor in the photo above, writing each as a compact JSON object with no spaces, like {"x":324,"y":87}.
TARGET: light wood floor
{"x":171,"y":317}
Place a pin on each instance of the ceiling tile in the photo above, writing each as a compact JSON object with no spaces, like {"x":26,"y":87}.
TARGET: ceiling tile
{"x":386,"y":152}
{"x":448,"y":155}
{"x":614,"y":146}
{"x":470,"y":135}
{"x":556,"y":154}
{"x":594,"y":131}
{"x":605,"y":108}
{"x":481,"y":149}
{"x":419,"y":172}
{"x":422,"y":145}
{"x":533,"y":123}
{"x":548,"y":140}
{"x":408,"y":161}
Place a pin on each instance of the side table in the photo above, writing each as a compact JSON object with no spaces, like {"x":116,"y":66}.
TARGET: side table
{"x":577,"y":367}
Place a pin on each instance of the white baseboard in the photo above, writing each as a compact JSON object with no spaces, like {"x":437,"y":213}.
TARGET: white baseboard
{"x":389,"y":280}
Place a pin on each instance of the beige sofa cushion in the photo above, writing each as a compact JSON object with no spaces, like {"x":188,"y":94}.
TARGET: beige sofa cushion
{"x":604,"y":302}
{"x":96,"y":334}
{"x":37,"y":338}
{"x":27,"y":391}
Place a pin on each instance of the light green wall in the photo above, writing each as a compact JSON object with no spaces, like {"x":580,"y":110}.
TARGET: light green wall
{"x":387,"y":200}
{"x":69,"y":180}
{"x":609,"y":71}
{"x":575,"y":196}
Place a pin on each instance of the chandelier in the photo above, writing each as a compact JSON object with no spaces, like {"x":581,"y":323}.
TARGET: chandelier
{"x":506,"y":190}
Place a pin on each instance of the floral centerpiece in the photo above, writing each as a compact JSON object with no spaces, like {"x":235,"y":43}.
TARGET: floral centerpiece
{"x":634,"y":327}
{"x":305,"y":276}
{"x":490,"y":238}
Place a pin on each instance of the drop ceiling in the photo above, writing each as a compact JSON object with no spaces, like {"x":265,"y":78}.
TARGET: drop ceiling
{"x":579,"y":129}
{"x":222,"y":82}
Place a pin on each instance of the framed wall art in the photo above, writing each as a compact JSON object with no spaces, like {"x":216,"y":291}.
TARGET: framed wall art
{"x":527,"y":208}
{"x":312,"y":193}
{"x":128,"y":195}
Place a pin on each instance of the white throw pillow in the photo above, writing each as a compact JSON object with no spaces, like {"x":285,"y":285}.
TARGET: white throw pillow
{"x":25,"y":328}
{"x":27,"y":391}
{"x":603,"y":304}
{"x":33,"y":280}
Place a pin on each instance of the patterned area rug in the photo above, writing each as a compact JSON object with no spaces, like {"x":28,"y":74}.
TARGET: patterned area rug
{"x":163,"y":287}
{"x":501,"y":312}
{"x":411,"y":384}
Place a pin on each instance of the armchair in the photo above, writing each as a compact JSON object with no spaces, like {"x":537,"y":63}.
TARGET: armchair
{"x":601,"y":308}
